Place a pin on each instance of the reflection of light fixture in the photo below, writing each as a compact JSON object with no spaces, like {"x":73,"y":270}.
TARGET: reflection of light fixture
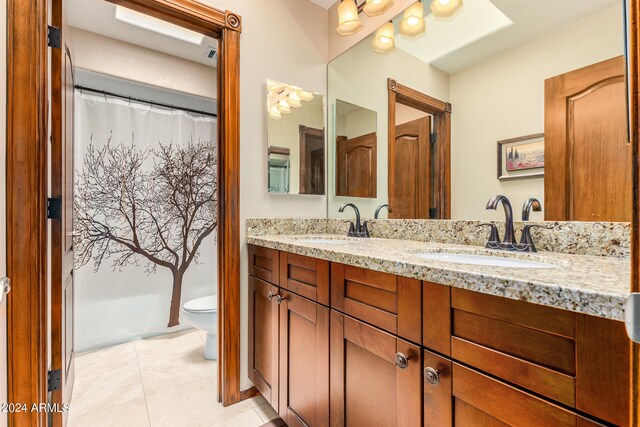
{"x":383,"y":42}
{"x":294,"y":99}
{"x":156,"y":25}
{"x":445,"y":8}
{"x":274,"y":113}
{"x":283,"y":106}
{"x":348,"y":21}
{"x":412,"y":22}
{"x":377,"y":7}
{"x":305,"y":96}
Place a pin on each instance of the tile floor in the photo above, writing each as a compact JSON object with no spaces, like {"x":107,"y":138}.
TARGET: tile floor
{"x":160,"y":381}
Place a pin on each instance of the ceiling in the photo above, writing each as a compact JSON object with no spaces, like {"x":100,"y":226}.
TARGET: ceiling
{"x":98,"y":16}
{"x":485,"y":27}
{"x":325,"y":3}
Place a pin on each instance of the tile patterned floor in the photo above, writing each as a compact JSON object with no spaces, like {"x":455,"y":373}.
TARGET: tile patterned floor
{"x":161,"y":381}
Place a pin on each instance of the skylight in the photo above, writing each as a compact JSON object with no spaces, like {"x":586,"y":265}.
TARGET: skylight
{"x":159,"y":26}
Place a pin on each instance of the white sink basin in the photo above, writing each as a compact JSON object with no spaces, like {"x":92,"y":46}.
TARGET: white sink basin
{"x":493,"y":261}
{"x":323,"y":241}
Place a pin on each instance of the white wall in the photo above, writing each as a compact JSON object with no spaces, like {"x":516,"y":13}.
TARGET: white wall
{"x":290,"y":46}
{"x":360,"y":77}
{"x":3,"y":218}
{"x":100,"y":54}
{"x":503,"y":98}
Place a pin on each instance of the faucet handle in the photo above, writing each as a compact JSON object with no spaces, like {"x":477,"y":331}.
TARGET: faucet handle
{"x":364,"y":232}
{"x":526,"y":240}
{"x":494,"y":239}
{"x":352,"y":230}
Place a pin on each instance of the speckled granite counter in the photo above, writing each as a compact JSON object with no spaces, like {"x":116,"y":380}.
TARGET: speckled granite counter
{"x":593,"y":285}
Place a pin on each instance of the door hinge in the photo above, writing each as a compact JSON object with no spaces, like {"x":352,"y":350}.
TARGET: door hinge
{"x":54,"y":379}
{"x":54,"y":208}
{"x":433,"y":138}
{"x":632,"y":317}
{"x":54,"y":38}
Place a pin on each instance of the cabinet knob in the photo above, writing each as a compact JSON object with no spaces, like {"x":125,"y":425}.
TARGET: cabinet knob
{"x":402,"y":361}
{"x":269,"y":295}
{"x":431,"y":376}
{"x":280,"y":298}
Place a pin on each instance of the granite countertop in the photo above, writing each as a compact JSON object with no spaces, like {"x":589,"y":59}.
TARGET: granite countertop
{"x":592,"y":285}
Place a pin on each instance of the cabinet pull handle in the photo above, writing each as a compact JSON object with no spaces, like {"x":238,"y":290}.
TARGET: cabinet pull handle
{"x":279,"y":298}
{"x":402,"y":361}
{"x":431,"y":376}
{"x":269,"y":295}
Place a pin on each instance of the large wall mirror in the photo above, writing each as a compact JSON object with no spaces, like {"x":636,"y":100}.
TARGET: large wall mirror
{"x":520,"y":98}
{"x":296,"y":140}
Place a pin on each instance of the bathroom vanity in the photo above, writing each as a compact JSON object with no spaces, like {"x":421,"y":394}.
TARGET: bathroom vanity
{"x":362,"y":332}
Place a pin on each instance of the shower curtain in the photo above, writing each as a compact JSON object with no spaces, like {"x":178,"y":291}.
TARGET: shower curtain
{"x":145,"y":218}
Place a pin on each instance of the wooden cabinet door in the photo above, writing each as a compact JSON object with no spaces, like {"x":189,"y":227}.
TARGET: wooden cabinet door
{"x":305,"y":276}
{"x":357,"y":166}
{"x":263,"y":339}
{"x":368,"y":387}
{"x":264,"y":263}
{"x":304,"y":362}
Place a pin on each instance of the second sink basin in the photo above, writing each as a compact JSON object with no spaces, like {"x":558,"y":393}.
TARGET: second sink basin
{"x":494,"y":261}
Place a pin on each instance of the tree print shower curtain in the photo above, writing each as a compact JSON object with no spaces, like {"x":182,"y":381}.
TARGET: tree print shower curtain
{"x":145,"y":217}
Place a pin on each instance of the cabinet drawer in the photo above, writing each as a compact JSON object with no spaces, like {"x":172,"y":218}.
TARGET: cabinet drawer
{"x":528,"y":345}
{"x":478,"y":398}
{"x":305,"y":276}
{"x":263,"y":264}
{"x":389,"y":302}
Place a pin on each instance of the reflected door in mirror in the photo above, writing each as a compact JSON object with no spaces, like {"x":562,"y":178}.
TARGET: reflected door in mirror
{"x":356,"y":166}
{"x":588,"y":159}
{"x":410,"y":170}
{"x":311,"y":160}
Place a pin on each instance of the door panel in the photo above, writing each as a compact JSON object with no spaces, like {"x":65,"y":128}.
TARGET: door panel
{"x":410,"y":170}
{"x":61,"y":248}
{"x":357,"y":166}
{"x":588,"y":159}
{"x":263,"y":343}
{"x":367,"y":387}
{"x":304,"y":362}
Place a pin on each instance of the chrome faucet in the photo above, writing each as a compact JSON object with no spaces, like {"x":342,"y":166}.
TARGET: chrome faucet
{"x":375,"y":216}
{"x":509,"y":240}
{"x":526,"y":241}
{"x":530,"y":204}
{"x":359,"y":229}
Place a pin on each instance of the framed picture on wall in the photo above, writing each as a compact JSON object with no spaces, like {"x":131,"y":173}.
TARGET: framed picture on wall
{"x":521,"y":157}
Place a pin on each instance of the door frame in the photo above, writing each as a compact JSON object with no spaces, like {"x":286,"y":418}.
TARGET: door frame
{"x":441,"y":112}
{"x":303,"y":132}
{"x":27,"y":183}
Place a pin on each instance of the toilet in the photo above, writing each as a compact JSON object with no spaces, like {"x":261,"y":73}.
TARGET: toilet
{"x":202,"y":313}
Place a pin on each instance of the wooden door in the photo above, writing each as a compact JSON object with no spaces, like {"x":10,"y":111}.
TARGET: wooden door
{"x":410,"y":170}
{"x":588,"y":160}
{"x":61,"y":213}
{"x":367,"y":387}
{"x":311,"y":160}
{"x":263,"y":339}
{"x":304,"y":362}
{"x":357,"y":166}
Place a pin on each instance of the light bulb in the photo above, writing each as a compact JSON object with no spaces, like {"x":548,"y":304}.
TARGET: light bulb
{"x":445,"y":8}
{"x":305,"y":96}
{"x":412,"y":22}
{"x":377,"y":7}
{"x":384,"y":39}
{"x":348,"y":21}
{"x":283,"y":106}
{"x":294,"y":100}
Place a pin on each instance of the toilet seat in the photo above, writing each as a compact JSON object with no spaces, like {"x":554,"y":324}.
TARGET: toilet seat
{"x":208,"y":304}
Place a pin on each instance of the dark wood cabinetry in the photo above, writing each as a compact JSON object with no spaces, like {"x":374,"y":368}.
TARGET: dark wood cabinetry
{"x":375,"y":376}
{"x":332,"y":344}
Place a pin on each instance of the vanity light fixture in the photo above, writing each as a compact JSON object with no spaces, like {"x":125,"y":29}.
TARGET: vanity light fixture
{"x":156,"y":25}
{"x":377,"y":7}
{"x":413,"y":22}
{"x":294,"y":99}
{"x":445,"y":8}
{"x":348,"y":20}
{"x":305,"y":96}
{"x":284,"y":107}
{"x":274,"y":113}
{"x":384,"y":39}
